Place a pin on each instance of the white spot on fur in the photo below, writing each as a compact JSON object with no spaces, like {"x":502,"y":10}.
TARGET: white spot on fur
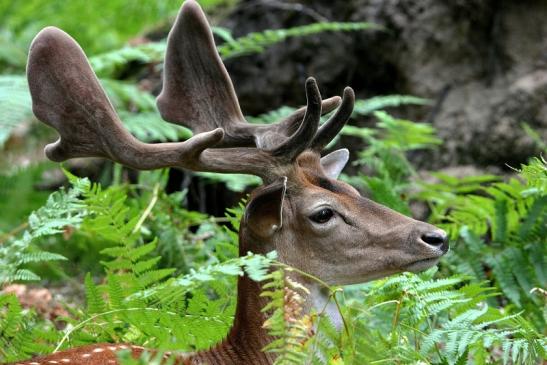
{"x":86,"y":355}
{"x":112,"y":348}
{"x":123,"y":347}
{"x":53,"y":362}
{"x":98,"y":350}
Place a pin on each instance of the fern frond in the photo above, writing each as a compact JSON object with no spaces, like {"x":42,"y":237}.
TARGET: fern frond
{"x":95,"y":302}
{"x":63,"y":208}
{"x":256,"y":42}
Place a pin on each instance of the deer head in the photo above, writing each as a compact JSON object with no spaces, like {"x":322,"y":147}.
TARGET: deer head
{"x":316,"y":223}
{"x":326,"y":228}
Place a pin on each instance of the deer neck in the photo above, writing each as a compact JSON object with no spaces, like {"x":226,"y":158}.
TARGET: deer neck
{"x":247,"y":337}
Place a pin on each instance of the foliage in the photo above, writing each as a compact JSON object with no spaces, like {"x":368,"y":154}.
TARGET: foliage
{"x":500,"y":229}
{"x":257,"y":42}
{"x":287,"y":324}
{"x":385,"y":157}
{"x":63,"y":209}
{"x":20,"y":196}
{"x":103,"y":29}
{"x":363,"y":107}
{"x":21,"y":331}
{"x":406,"y":319}
{"x":149,"y":127}
{"x":109,"y":63}
{"x":138,"y":301}
{"x":412,"y":319}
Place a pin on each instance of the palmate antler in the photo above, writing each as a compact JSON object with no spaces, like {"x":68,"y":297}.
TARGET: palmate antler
{"x":197,"y":93}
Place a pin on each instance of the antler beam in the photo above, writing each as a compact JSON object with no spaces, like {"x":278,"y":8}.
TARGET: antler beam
{"x":67,"y":96}
{"x":197,"y":92}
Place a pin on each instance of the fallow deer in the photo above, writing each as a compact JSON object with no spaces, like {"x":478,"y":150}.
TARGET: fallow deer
{"x":316,"y":223}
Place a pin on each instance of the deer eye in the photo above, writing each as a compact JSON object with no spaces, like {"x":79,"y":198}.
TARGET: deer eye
{"x":322,"y":216}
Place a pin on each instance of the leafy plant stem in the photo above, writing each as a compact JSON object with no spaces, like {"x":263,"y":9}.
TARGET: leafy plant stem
{"x":396,"y":316}
{"x":148,"y":209}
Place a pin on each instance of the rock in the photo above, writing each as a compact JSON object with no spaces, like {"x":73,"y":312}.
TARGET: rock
{"x":484,"y":63}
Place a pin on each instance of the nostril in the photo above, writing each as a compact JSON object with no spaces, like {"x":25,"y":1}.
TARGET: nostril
{"x":436,"y":238}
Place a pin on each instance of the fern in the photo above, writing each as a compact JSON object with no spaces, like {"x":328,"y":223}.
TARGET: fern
{"x":500,"y":230}
{"x":137,"y":303}
{"x":415,"y":318}
{"x":141,"y":314}
{"x":257,"y":42}
{"x":21,"y":334}
{"x":368,"y":106}
{"x":362,"y":107}
{"x":127,"y":96}
{"x":109,"y":63}
{"x":404,"y":319}
{"x":149,"y":127}
{"x":63,"y":209}
{"x":254,"y":265}
{"x":385,"y":157}
{"x":286,"y":323}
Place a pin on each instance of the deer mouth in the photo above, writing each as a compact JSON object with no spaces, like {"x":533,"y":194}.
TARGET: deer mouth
{"x":421,"y":265}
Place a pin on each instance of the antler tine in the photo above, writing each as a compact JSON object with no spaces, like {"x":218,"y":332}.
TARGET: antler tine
{"x":198,"y":93}
{"x":336,"y":122}
{"x":302,"y":138}
{"x":67,"y":96}
{"x":265,"y":162}
{"x":291,"y":123}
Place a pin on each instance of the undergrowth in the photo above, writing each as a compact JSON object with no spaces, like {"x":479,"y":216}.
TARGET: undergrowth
{"x":136,"y":300}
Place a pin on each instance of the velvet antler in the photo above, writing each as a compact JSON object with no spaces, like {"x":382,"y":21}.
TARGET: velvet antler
{"x":67,"y":96}
{"x":197,"y":93}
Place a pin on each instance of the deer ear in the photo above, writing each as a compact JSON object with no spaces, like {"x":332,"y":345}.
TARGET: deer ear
{"x":264,"y":213}
{"x":334,"y":162}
